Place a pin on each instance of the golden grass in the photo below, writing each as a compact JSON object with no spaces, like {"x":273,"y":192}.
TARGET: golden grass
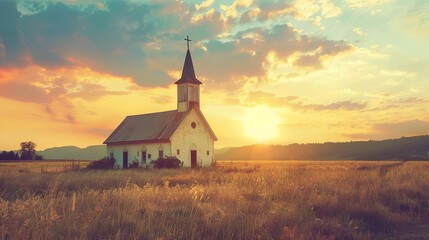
{"x":234,"y":200}
{"x":39,"y":166}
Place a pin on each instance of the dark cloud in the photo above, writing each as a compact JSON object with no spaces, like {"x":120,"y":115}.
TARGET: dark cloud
{"x":247,"y":16}
{"x":225,"y":61}
{"x":143,"y":41}
{"x":293,"y":102}
{"x":278,"y":8}
{"x":64,"y":36}
{"x":12,"y":49}
{"x":394,"y":130}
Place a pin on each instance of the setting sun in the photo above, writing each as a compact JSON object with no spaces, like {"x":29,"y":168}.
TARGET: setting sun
{"x":260,"y":123}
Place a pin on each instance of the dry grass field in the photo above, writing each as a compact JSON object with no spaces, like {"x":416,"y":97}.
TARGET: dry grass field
{"x":40,"y":166}
{"x":234,"y":200}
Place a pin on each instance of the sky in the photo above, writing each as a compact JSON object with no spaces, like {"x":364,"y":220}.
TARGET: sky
{"x":273,"y":72}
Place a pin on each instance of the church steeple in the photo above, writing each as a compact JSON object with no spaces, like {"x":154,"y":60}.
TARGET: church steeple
{"x":188,"y":86}
{"x":188,"y":73}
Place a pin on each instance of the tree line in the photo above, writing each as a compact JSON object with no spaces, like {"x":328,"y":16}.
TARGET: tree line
{"x":405,"y":148}
{"x":27,"y":152}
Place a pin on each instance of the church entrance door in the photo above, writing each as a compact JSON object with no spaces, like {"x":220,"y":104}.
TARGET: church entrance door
{"x":125,"y":159}
{"x":143,"y":157}
{"x":193,"y":158}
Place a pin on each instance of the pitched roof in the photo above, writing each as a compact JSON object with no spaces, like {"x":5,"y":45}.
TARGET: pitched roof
{"x":150,"y":127}
{"x":188,"y":73}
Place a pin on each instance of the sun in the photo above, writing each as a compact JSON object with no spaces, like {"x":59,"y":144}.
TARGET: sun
{"x":261,"y":123}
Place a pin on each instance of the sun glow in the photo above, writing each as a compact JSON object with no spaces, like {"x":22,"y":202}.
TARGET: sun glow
{"x":260,"y":123}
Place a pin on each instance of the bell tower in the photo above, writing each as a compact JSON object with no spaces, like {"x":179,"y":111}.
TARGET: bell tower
{"x":188,"y":86}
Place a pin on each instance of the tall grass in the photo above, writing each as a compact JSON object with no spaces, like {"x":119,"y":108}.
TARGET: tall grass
{"x":246,"y":200}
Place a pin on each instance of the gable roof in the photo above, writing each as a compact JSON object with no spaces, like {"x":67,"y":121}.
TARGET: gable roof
{"x":188,"y":73}
{"x":151,"y":127}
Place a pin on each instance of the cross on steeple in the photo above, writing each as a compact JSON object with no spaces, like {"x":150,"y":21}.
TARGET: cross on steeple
{"x":187,"y":41}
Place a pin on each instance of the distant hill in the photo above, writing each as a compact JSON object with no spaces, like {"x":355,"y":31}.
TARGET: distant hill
{"x":222,"y":150}
{"x":403,"y":148}
{"x":71,"y":152}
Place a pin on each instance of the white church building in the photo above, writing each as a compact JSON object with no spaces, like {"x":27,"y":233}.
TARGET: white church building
{"x":183,"y":133}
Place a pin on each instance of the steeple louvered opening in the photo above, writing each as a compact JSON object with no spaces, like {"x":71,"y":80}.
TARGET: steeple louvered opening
{"x":188,"y":86}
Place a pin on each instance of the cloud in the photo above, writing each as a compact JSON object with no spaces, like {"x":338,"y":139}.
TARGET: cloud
{"x":300,"y":9}
{"x":394,"y":130}
{"x":343,"y":105}
{"x":263,"y":98}
{"x":330,"y":10}
{"x":248,"y":54}
{"x":231,"y":10}
{"x":366,"y":3}
{"x":359,"y":31}
{"x":305,"y":9}
{"x":416,"y":20}
{"x":259,"y":98}
{"x":271,"y":10}
{"x":92,"y":92}
{"x":141,"y":41}
{"x":412,"y":100}
{"x":204,"y":4}
{"x":56,"y":91}
{"x":249,"y":15}
{"x":23,"y":92}
{"x":67,"y":36}
{"x":12,"y":48}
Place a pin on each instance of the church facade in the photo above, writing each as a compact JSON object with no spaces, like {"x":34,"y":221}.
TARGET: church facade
{"x":183,"y":133}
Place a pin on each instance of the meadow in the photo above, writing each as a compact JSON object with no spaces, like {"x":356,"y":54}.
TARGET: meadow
{"x":233,"y":200}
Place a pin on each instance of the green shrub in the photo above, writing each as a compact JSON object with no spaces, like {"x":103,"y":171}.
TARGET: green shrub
{"x":167,"y":162}
{"x":104,"y":163}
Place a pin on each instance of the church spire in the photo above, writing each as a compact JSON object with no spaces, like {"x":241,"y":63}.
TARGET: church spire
{"x":188,"y":86}
{"x":188,"y":73}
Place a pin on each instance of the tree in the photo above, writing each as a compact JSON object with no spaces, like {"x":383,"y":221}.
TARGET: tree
{"x":3,"y":155}
{"x":9,"y":155}
{"x":28,"y":150}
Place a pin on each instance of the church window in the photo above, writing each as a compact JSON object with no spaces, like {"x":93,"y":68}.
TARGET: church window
{"x":149,"y":156}
{"x":111,"y":155}
{"x":178,"y":151}
{"x":193,"y":125}
{"x":144,"y":156}
{"x":208,"y":152}
{"x":161,"y":153}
